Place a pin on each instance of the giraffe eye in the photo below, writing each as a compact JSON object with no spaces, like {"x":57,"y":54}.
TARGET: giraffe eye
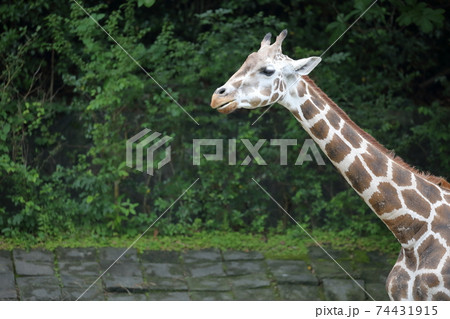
{"x":268,"y":71}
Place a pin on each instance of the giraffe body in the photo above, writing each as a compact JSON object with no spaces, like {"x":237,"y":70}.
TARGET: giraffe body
{"x":414,"y":206}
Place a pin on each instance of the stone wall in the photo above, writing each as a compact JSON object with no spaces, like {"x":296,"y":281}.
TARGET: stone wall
{"x":209,"y":274}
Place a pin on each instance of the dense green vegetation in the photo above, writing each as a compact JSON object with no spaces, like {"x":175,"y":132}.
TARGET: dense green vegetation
{"x":292,"y":244}
{"x":70,"y":98}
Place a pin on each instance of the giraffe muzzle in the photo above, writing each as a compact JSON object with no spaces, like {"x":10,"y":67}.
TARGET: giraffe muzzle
{"x":223,"y":104}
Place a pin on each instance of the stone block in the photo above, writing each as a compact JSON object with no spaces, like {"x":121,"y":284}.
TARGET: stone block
{"x":38,"y":255}
{"x":343,"y":290}
{"x":235,"y":268}
{"x":233,"y":255}
{"x":205,"y":255}
{"x":258,"y":294}
{"x":166,"y":284}
{"x":75,"y":281}
{"x":39,"y":288}
{"x":168,"y":270}
{"x":6,"y":265}
{"x":373,"y":273}
{"x":329,"y":269}
{"x":34,"y":268}
{"x":299,"y":292}
{"x":211,"y":296}
{"x":206,"y":269}
{"x":78,"y":255}
{"x":123,"y":284}
{"x":129,"y":269}
{"x":95,"y":293}
{"x":377,"y":291}
{"x":154,"y":256}
{"x":85,"y":269}
{"x":292,"y":272}
{"x":250,"y":281}
{"x":7,"y":287}
{"x":168,"y":296}
{"x":109,"y":254}
{"x":208,"y":284}
{"x":126,"y":297}
{"x":36,"y":262}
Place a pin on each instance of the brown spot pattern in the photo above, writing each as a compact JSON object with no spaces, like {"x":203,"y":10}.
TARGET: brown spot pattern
{"x":416,"y":203}
{"x":431,"y":253}
{"x":237,"y":84}
{"x":301,"y":89}
{"x":440,"y":296}
{"x":337,"y":149}
{"x":405,"y":228}
{"x":257,"y":101}
{"x":333,"y":118}
{"x":351,"y":136}
{"x":428,"y":190}
{"x":410,"y":260}
{"x":431,"y":280}
{"x":358,"y":176}
{"x":266,"y":92}
{"x":316,"y":100}
{"x":421,"y":285}
{"x":309,"y":110}
{"x":297,"y":116}
{"x":400,"y":175}
{"x":276,"y":83}
{"x":419,"y":289}
{"x":398,"y":281}
{"x":320,"y":129}
{"x":274,"y":98}
{"x":385,"y":200}
{"x":376,"y":161}
{"x":447,"y":198}
{"x":446,"y":273}
{"x":441,"y":222}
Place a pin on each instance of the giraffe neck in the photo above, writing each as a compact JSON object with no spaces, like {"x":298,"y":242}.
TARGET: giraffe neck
{"x":416,"y":210}
{"x":402,"y":199}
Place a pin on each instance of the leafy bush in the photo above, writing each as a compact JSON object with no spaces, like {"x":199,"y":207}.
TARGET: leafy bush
{"x":70,"y":98}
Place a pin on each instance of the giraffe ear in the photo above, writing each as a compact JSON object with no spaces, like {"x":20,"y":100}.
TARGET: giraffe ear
{"x":266,"y":41}
{"x":305,"y":66}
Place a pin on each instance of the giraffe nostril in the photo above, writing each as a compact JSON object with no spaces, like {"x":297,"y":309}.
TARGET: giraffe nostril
{"x":220,"y":91}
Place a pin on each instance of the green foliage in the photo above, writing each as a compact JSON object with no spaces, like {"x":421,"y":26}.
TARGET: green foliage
{"x":420,"y":14}
{"x":70,"y":98}
{"x":291,"y":245}
{"x":147,"y":3}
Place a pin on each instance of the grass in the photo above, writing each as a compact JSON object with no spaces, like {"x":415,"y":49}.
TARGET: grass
{"x":291,"y":245}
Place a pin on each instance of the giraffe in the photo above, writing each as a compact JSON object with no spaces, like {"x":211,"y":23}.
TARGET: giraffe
{"x":413,"y":205}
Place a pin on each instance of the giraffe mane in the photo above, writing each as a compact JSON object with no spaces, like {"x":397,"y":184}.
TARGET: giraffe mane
{"x":437,"y":180}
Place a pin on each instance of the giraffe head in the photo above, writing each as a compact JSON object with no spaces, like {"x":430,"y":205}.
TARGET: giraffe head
{"x":263,"y":78}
